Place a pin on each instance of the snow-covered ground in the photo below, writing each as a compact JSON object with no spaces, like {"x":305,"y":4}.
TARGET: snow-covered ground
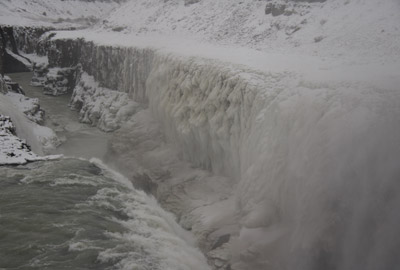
{"x":341,"y":29}
{"x":53,"y":13}
{"x":13,"y":150}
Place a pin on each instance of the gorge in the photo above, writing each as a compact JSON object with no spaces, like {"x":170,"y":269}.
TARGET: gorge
{"x":270,"y":160}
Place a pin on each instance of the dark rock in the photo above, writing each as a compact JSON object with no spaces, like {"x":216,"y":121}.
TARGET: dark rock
{"x":118,"y":29}
{"x":221,"y":240}
{"x":275,"y":9}
{"x":13,"y":65}
{"x":309,"y":1}
{"x":6,"y":124}
{"x":268,"y":8}
{"x":14,"y":87}
{"x":189,"y":2}
{"x":318,"y":39}
{"x":144,"y":182}
{"x":3,"y":86}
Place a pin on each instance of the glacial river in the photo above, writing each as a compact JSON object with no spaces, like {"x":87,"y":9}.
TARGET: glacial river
{"x":74,"y":213}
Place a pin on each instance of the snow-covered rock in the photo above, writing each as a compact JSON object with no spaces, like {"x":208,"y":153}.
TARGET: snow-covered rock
{"x":58,"y":81}
{"x":14,"y":150}
{"x":29,"y":106}
{"x":39,"y":74}
{"x":41,"y":139}
{"x":99,"y":106}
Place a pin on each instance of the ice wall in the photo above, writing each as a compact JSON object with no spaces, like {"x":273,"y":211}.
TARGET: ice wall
{"x":314,"y":165}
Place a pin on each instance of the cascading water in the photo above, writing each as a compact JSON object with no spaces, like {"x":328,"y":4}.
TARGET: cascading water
{"x":72,"y":214}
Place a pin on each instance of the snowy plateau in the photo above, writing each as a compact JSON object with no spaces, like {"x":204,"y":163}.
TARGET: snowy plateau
{"x":269,"y":128}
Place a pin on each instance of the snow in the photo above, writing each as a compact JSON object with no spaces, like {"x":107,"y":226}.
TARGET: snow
{"x":29,"y":106}
{"x":53,"y":13}
{"x":38,"y":60}
{"x":346,"y":30}
{"x":13,"y":150}
{"x":297,"y":118}
{"x":41,"y":139}
{"x":19,"y":134}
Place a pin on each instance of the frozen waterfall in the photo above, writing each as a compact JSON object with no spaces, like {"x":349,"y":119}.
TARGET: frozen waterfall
{"x":312,"y":166}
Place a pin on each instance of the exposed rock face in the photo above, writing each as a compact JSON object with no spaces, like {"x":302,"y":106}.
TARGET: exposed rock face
{"x":2,"y":51}
{"x":27,"y":39}
{"x":64,"y":53}
{"x":3,"y":86}
{"x":9,"y":58}
{"x":125,"y":69}
{"x":12,"y":65}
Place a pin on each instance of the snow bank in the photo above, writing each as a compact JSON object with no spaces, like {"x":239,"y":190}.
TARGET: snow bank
{"x":19,"y":132}
{"x":13,"y":150}
{"x":53,"y":13}
{"x":41,"y":139}
{"x":29,"y":106}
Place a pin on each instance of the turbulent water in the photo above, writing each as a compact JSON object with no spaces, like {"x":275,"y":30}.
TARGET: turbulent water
{"x":78,"y":214}
{"x":71,"y":214}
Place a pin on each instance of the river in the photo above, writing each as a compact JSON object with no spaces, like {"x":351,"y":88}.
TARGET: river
{"x":75,"y":213}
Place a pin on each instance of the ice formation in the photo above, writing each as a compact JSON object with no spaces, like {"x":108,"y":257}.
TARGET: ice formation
{"x":99,"y":106}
